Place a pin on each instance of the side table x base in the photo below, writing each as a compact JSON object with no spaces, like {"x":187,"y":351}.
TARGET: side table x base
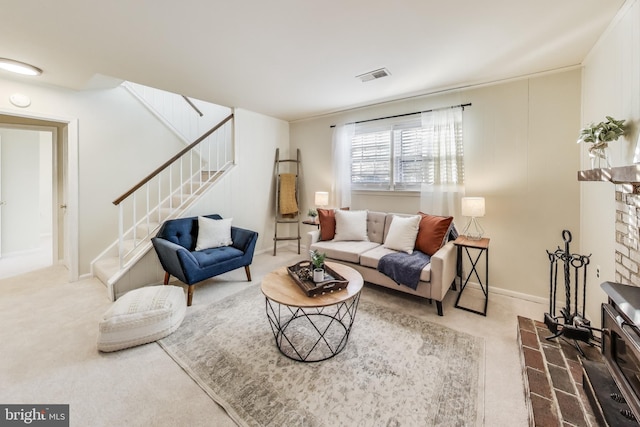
{"x":482,"y":246}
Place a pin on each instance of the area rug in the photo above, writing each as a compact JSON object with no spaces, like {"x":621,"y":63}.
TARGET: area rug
{"x":396,"y":370}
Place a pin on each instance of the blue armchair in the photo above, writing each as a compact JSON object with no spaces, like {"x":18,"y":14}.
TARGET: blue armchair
{"x":175,"y":245}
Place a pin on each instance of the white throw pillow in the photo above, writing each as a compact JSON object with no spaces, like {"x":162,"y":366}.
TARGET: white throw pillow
{"x":213,"y":233}
{"x":351,"y":225}
{"x":402,"y":233}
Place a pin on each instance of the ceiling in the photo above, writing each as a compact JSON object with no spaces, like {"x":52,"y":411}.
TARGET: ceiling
{"x":294,"y":59}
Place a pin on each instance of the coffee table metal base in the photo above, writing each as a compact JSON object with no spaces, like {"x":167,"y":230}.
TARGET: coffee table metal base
{"x":312,"y":334}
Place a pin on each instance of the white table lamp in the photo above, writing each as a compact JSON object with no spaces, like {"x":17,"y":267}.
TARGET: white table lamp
{"x":322,"y":198}
{"x":473,"y":207}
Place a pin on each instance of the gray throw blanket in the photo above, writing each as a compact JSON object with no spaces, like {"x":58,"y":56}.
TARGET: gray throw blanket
{"x":403,"y":268}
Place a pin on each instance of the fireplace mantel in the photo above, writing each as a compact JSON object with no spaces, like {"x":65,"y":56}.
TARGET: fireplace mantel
{"x":618,"y":175}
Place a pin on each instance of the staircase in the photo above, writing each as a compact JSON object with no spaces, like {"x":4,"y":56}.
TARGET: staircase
{"x":167,"y":193}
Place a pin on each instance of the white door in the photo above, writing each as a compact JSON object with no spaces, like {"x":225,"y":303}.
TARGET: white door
{"x":26,"y":200}
{"x":1,"y":199}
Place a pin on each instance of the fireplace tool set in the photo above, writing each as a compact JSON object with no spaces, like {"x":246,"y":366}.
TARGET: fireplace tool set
{"x":570,"y":323}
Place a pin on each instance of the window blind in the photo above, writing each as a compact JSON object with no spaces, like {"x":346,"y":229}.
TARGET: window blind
{"x":403,"y":153}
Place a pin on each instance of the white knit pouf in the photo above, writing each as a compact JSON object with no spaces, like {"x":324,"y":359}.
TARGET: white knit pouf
{"x":142,"y":316}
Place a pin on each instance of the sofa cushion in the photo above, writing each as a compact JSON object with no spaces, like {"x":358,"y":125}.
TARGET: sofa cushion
{"x":351,"y":226}
{"x":432,"y":232}
{"x":375,"y":226}
{"x":402,"y":233}
{"x":344,"y":251}
{"x":213,"y":233}
{"x":181,"y":231}
{"x":214,"y":256}
{"x":372,"y":257}
{"x":142,"y":316}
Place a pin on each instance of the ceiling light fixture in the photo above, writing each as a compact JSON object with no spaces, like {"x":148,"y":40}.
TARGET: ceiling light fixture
{"x":19,"y":67}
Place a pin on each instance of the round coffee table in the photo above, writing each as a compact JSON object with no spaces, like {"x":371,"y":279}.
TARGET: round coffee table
{"x":311,"y":329}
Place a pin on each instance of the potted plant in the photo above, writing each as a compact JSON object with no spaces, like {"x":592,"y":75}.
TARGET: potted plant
{"x":317,"y":259}
{"x":312,"y":214}
{"x":599,"y":135}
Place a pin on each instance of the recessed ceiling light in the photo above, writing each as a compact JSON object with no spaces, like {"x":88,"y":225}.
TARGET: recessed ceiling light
{"x":19,"y":67}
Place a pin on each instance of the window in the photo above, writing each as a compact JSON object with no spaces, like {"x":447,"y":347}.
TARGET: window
{"x":403,"y":153}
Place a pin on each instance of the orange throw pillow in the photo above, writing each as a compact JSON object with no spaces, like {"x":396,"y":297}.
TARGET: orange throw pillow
{"x":432,"y":231}
{"x":327,"y":219}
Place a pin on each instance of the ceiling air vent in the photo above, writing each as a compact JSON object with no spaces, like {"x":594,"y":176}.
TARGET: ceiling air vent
{"x":375,"y":74}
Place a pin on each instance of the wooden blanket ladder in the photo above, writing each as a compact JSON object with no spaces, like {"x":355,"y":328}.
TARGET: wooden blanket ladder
{"x":287,"y":198}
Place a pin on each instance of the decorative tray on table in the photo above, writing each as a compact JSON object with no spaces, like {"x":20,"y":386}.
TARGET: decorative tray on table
{"x":302,"y":274}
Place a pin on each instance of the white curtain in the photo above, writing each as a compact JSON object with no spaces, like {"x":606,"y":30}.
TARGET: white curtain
{"x":341,"y":148}
{"x":444,"y":195}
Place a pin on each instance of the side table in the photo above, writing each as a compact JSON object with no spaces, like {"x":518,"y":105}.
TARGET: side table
{"x":482,"y":247}
{"x":316,"y":223}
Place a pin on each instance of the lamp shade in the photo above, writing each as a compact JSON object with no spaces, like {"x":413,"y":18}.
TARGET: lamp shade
{"x":322,"y":198}
{"x":473,"y":206}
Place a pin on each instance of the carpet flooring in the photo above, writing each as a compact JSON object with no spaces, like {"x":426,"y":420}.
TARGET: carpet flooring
{"x":48,"y":353}
{"x":396,"y":370}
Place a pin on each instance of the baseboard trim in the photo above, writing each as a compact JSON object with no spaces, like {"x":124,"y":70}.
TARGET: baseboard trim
{"x":512,"y":294}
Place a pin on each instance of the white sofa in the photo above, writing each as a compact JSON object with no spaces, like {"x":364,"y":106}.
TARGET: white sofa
{"x":435,"y":279}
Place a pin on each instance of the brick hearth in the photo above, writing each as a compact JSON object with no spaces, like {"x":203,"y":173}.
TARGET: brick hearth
{"x":553,"y":377}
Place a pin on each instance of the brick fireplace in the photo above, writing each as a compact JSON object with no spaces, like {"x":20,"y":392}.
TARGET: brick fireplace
{"x":627,"y":199}
{"x":552,"y":369}
{"x":627,"y":235}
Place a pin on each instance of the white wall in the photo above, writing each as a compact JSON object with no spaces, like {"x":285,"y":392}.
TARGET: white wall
{"x":611,"y":86}
{"x":120,"y":142}
{"x":178,"y":114}
{"x":520,"y":154}
{"x":247,"y":194}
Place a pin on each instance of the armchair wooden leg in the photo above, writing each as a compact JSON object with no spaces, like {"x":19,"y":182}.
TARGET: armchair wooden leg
{"x":190,"y":295}
{"x":166,"y":278}
{"x":246,"y":270}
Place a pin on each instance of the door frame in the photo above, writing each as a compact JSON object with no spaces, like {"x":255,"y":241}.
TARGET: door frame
{"x":70,"y":144}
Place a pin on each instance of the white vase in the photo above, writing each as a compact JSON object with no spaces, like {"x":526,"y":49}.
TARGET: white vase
{"x":318,"y":274}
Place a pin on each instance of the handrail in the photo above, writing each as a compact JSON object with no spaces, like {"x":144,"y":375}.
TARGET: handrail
{"x":192,"y":105}
{"x":171,"y":160}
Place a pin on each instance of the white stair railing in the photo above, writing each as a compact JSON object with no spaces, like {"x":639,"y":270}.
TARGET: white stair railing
{"x":172,"y":186}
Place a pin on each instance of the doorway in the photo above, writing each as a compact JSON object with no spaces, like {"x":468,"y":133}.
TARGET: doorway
{"x":54,"y":172}
{"x":28,"y":235}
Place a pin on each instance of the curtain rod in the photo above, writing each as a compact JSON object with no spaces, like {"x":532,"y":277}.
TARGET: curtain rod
{"x":407,"y":114}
